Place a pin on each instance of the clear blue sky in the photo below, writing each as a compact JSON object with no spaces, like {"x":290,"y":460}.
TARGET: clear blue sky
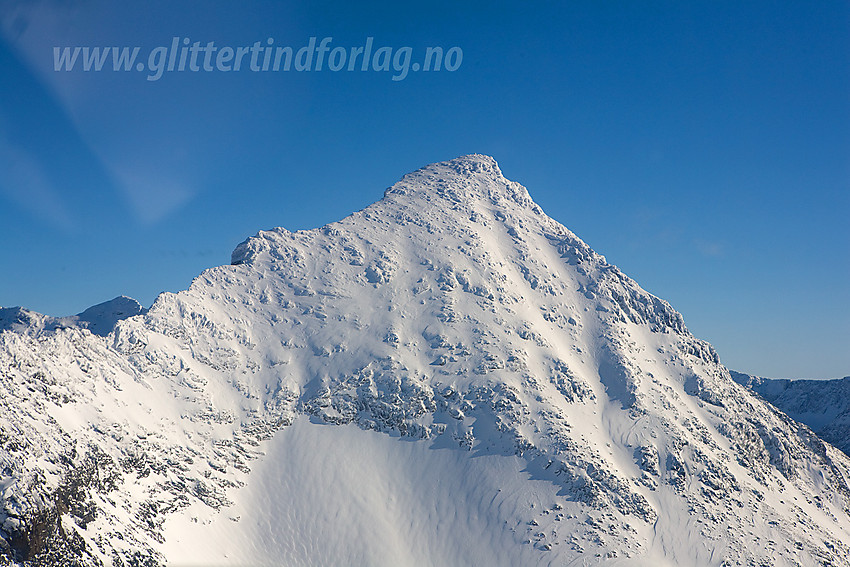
{"x":702,"y":147}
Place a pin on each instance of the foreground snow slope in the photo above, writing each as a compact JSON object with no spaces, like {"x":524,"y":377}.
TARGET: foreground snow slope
{"x":446,"y":377}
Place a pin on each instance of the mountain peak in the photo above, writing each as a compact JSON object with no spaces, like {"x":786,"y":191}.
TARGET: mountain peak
{"x":465,"y":179}
{"x":99,"y":319}
{"x":436,"y":197}
{"x":474,"y":161}
{"x":466,"y":165}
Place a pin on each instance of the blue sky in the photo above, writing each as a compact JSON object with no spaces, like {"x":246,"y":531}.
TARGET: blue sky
{"x":702,"y":147}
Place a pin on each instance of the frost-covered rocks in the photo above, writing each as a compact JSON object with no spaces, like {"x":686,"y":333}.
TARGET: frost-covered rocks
{"x":361,"y":371}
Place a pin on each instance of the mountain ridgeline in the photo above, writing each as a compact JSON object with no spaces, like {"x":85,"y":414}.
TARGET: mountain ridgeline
{"x":823,"y":405}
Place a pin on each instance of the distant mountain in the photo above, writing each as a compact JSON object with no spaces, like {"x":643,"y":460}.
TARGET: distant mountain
{"x":100,"y":319}
{"x":823,"y":405}
{"x":447,"y":377}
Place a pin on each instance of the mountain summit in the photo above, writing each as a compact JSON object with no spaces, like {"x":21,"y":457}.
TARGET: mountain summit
{"x":448,"y":376}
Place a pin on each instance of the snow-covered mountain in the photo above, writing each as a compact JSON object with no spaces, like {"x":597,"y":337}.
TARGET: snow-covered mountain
{"x":100,"y":319}
{"x":447,"y":377}
{"x":823,"y":405}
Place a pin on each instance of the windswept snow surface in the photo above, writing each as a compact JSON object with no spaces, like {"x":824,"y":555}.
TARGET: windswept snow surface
{"x":447,"y":377}
{"x":357,"y":498}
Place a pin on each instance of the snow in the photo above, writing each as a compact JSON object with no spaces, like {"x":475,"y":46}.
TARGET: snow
{"x":448,"y":376}
{"x":358,"y":498}
{"x":823,"y":405}
{"x":100,"y":319}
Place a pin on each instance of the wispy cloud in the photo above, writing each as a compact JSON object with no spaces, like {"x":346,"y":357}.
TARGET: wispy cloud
{"x":152,"y":194}
{"x":25,"y":183}
{"x":29,"y":30}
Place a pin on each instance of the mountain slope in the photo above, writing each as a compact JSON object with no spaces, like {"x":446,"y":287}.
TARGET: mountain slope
{"x":448,"y":373}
